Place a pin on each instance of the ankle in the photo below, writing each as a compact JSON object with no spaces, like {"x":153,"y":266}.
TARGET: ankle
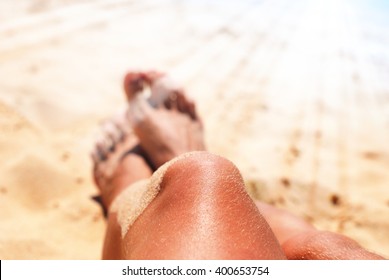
{"x":132,"y":168}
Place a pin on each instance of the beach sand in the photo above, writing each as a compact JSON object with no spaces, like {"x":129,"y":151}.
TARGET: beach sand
{"x":295,"y":93}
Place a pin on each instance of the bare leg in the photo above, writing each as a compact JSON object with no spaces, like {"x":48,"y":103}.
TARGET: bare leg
{"x":118,"y":162}
{"x":300,"y":240}
{"x":202,"y":210}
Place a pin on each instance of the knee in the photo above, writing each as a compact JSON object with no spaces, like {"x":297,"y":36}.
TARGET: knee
{"x":204,"y":165}
{"x":203,"y":169}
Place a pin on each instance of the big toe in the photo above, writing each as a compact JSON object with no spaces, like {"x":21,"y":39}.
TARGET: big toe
{"x":134,"y":82}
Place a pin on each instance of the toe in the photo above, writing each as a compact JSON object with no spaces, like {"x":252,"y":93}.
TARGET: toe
{"x":186,"y":106}
{"x":112,"y":133}
{"x":134,"y":82}
{"x":181,"y":102}
{"x":107,"y":140}
{"x":172,"y":101}
{"x":101,"y":149}
{"x":192,"y":110}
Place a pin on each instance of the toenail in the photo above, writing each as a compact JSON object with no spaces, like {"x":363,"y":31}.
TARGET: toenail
{"x":101,"y":156}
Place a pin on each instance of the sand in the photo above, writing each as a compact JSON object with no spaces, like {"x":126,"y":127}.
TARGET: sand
{"x":296,"y":94}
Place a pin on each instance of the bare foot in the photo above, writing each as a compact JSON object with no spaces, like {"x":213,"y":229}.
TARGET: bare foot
{"x":167,"y":128}
{"x":118,"y":159}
